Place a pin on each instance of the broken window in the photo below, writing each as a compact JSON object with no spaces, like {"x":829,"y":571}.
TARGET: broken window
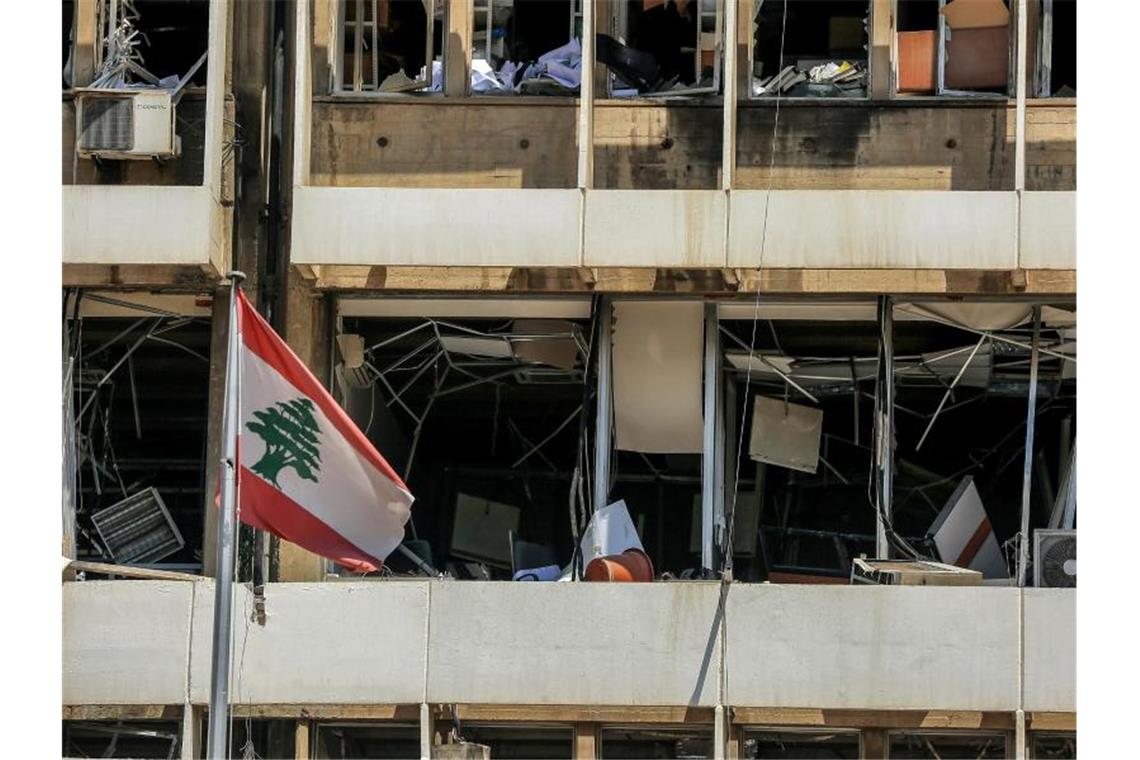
{"x":1056,"y":49}
{"x":483,"y":418}
{"x":947,"y":746}
{"x":662,"y":47}
{"x":138,"y":417}
{"x":810,"y":48}
{"x":167,"y":38}
{"x":961,"y":377}
{"x":68,"y":44}
{"x":521,"y":742}
{"x":387,"y":45}
{"x":800,"y":744}
{"x":961,"y":47}
{"x":653,"y":741}
{"x":133,"y":739}
{"x":345,"y":741}
{"x":527,"y":47}
{"x":1053,"y":746}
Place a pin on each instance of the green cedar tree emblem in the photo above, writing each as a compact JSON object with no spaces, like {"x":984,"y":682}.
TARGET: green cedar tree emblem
{"x":290,"y":433}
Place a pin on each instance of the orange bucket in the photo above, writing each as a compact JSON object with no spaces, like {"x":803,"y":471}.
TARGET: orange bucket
{"x":631,"y":566}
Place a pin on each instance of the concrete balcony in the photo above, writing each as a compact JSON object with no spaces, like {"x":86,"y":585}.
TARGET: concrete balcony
{"x":665,"y":644}
{"x":809,"y":229}
{"x":158,"y":226}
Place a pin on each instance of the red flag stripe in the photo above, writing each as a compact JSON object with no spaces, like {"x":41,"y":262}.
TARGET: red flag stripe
{"x":266,"y":508}
{"x":974,"y":545}
{"x":260,"y":338}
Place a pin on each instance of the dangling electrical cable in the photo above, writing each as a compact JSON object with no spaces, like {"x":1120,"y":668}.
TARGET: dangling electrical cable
{"x":730,"y":518}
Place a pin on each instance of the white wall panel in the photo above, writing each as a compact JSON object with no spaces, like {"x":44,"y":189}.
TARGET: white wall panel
{"x":435,"y":227}
{"x":872,"y":647}
{"x":126,"y":642}
{"x":138,"y":224}
{"x":873,"y":229}
{"x":574,"y":643}
{"x":655,"y":228}
{"x":1049,"y":230}
{"x":1051,"y":649}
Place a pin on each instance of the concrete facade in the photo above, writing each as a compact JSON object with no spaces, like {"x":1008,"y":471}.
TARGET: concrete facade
{"x":441,"y":642}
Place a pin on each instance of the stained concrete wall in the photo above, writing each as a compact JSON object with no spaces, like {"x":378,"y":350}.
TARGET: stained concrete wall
{"x":574,"y":643}
{"x":1050,"y":649}
{"x":126,"y":643}
{"x":874,"y":647}
{"x":812,"y":229}
{"x":148,"y":642}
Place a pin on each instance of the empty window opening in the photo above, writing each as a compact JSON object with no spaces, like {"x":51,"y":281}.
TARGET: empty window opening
{"x":133,"y":739}
{"x":651,"y":741}
{"x":1056,"y":52}
{"x":1054,"y":746}
{"x":387,"y":45}
{"x":521,"y":742}
{"x":948,"y":746}
{"x":960,"y":411}
{"x":482,"y":418}
{"x":169,"y":37}
{"x":818,"y":50}
{"x":958,"y":48}
{"x":662,"y":47}
{"x":792,"y":744}
{"x":526,"y":47}
{"x":349,"y":741}
{"x":68,"y":44}
{"x":139,"y":413}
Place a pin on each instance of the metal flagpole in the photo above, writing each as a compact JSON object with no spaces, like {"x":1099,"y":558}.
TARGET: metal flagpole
{"x":217,"y":736}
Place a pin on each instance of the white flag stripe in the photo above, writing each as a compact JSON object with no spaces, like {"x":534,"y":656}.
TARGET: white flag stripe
{"x":351,"y":496}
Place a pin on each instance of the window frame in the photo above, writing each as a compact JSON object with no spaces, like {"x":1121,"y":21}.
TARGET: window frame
{"x":869,"y":95}
{"x":340,"y":26}
{"x":1005,"y":736}
{"x":753,"y":729}
{"x":617,"y":20}
{"x":943,"y":34}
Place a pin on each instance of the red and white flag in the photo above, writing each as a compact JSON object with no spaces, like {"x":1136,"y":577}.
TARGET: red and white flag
{"x":306,"y":472}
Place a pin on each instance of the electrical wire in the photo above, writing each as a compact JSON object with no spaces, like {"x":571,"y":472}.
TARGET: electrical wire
{"x":730,"y":517}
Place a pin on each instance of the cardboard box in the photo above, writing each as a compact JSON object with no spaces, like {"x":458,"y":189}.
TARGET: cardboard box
{"x":978,"y":58}
{"x":918,"y":60}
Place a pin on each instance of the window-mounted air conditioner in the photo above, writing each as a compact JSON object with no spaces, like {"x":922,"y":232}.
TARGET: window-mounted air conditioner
{"x":126,"y":124}
{"x":1055,"y":559}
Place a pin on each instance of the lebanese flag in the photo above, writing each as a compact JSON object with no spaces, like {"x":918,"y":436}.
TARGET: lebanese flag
{"x":305,"y":471}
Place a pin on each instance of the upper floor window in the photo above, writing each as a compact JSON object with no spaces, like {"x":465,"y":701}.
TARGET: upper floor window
{"x":386,"y":45}
{"x":957,"y":48}
{"x":1053,"y":54}
{"x":811,"y":48}
{"x":663,"y":47}
{"x":526,"y":47}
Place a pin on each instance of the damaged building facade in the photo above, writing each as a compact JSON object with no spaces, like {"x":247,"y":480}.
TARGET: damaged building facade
{"x":783,"y":293}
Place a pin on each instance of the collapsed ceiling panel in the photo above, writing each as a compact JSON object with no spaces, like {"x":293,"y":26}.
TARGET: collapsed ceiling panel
{"x":657,"y":364}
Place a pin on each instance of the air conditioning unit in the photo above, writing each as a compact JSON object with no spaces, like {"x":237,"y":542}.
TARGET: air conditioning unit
{"x":1055,"y":559}
{"x":125,"y":124}
{"x":138,"y":529}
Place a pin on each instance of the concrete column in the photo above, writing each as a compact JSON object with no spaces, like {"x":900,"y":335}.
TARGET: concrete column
{"x":881,"y":41}
{"x":720,"y":740}
{"x":306,"y":332}
{"x":874,"y":744}
{"x":302,"y":738}
{"x":603,"y":421}
{"x":586,"y":741}
{"x":427,"y":731}
{"x":457,"y":48}
{"x":219,"y":335}
{"x":87,"y":41}
{"x":1020,"y":750}
{"x":191,"y":732}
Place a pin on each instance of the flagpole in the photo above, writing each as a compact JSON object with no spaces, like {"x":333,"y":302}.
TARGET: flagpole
{"x":217,"y":736}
